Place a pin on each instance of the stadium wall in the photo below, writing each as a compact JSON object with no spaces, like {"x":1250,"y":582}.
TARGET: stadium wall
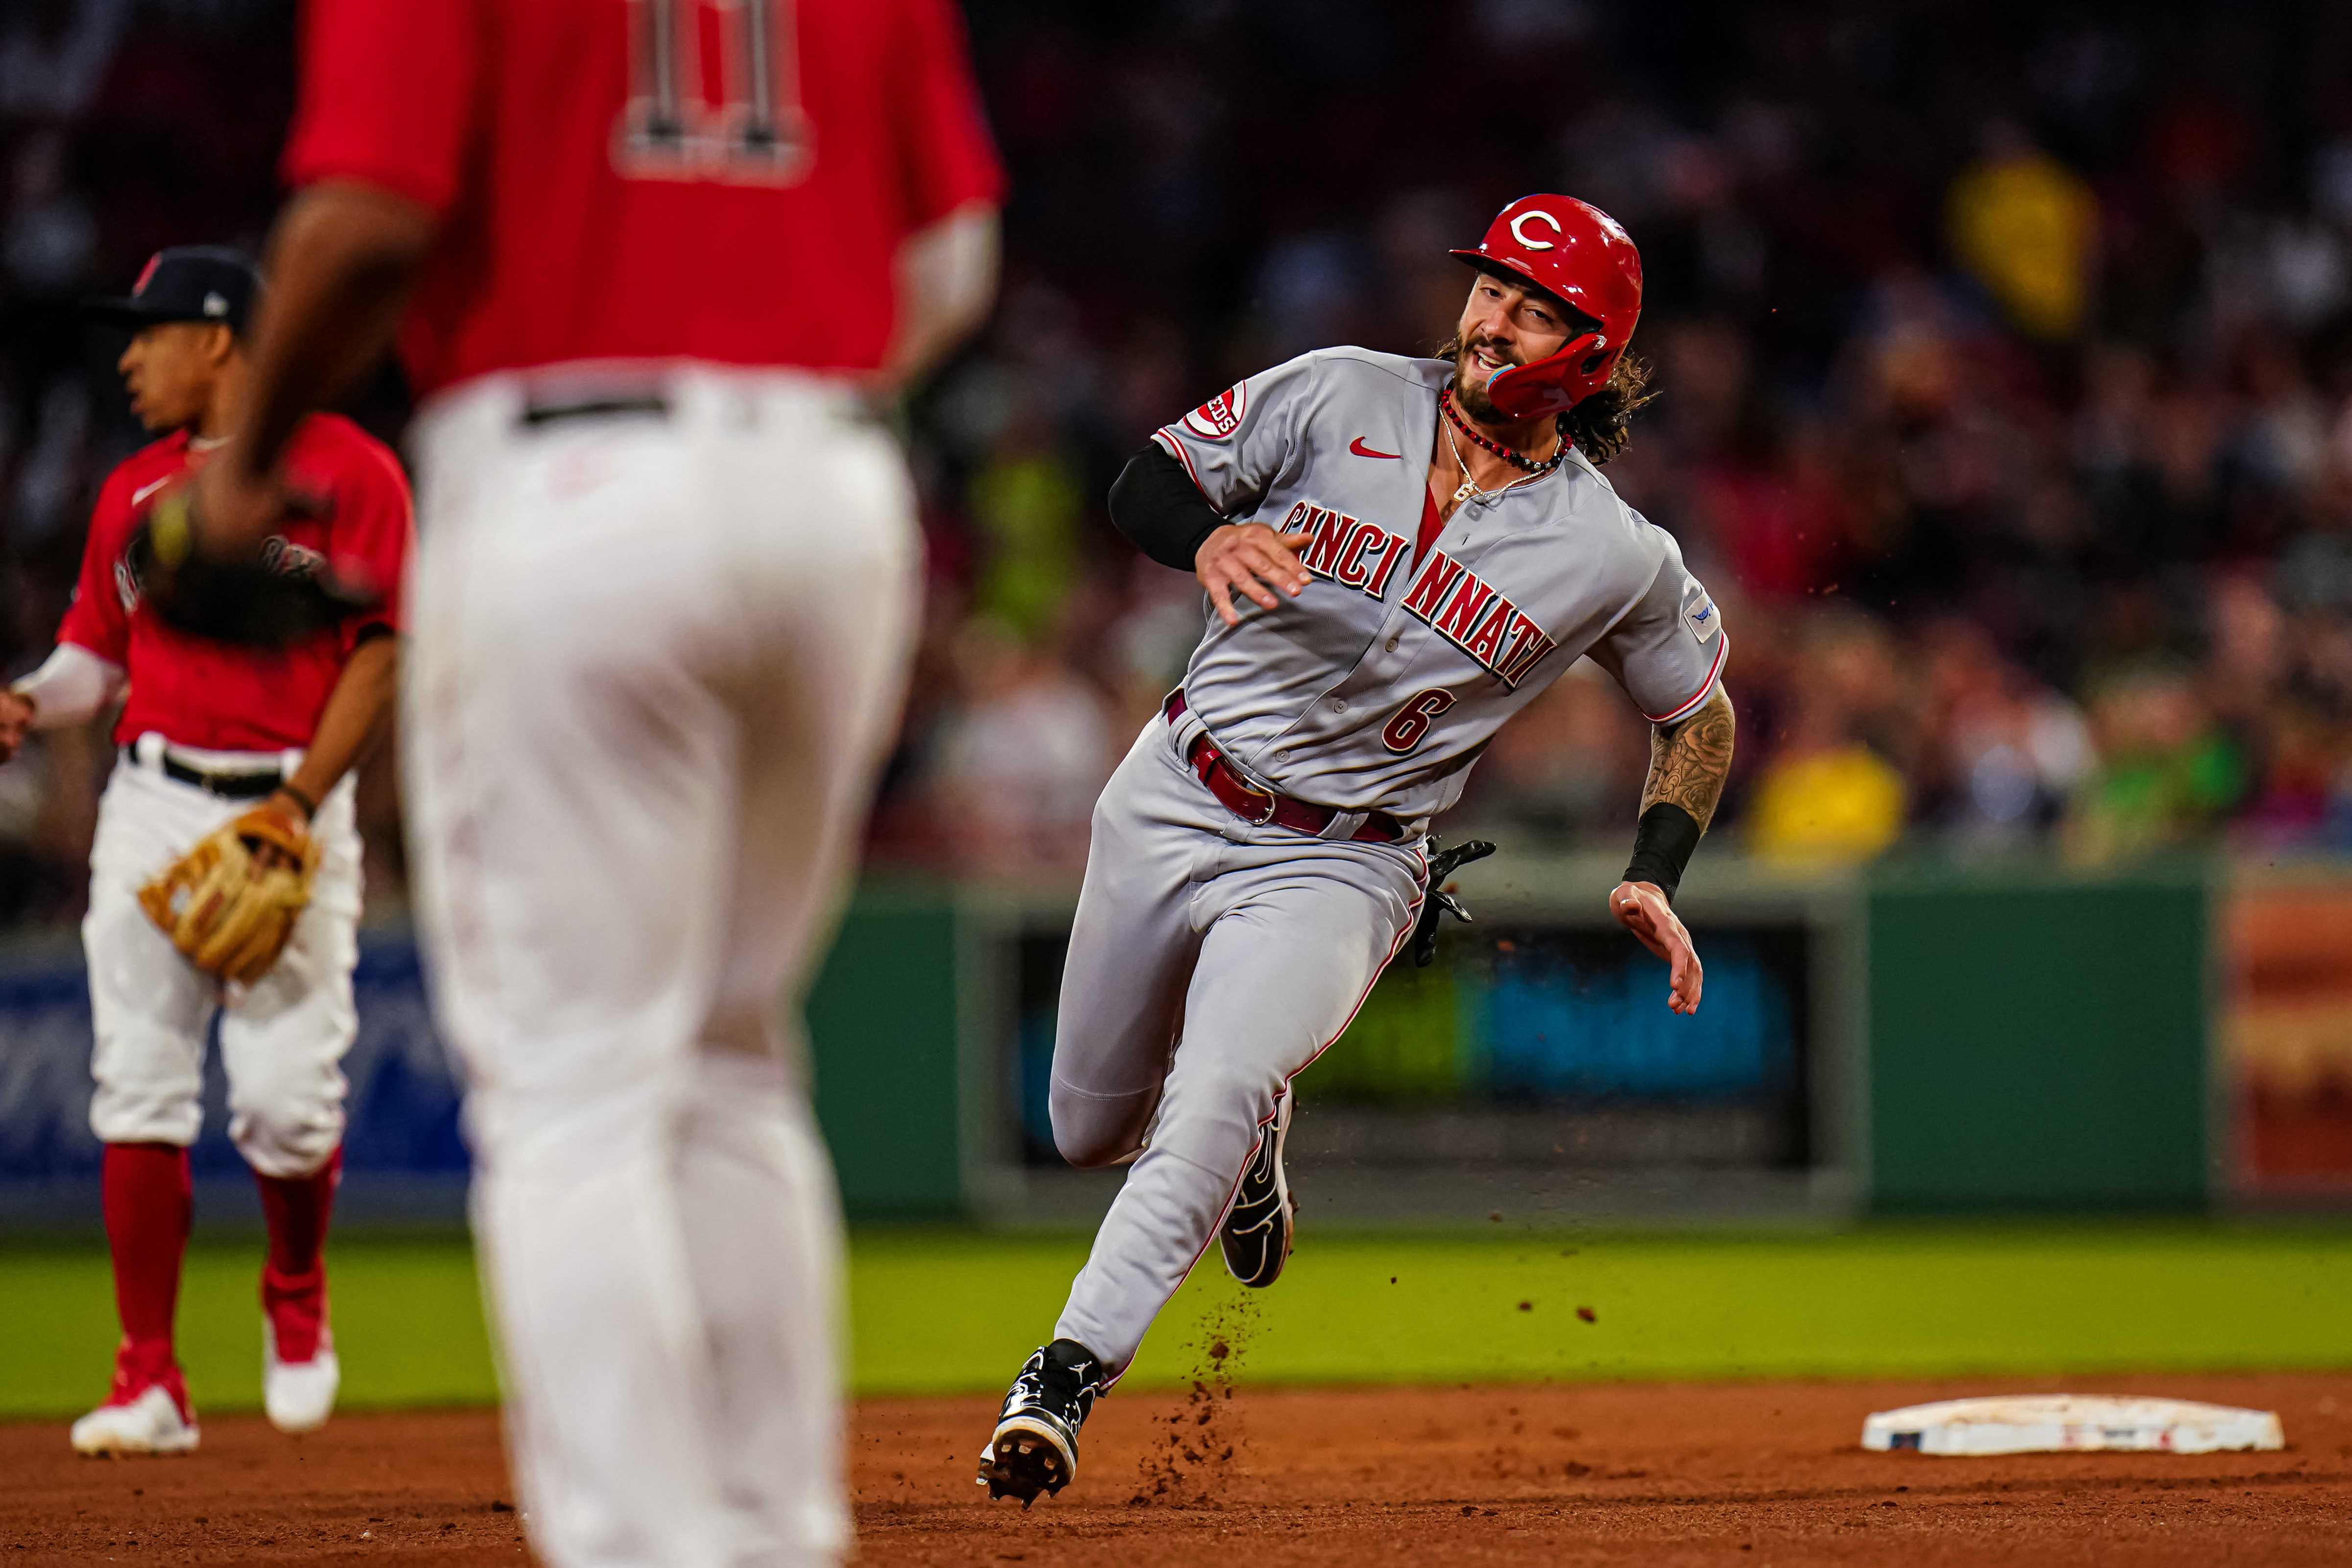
{"x":1927,"y":1039}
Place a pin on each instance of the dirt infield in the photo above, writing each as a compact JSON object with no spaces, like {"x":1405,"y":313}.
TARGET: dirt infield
{"x":1762,"y":1473}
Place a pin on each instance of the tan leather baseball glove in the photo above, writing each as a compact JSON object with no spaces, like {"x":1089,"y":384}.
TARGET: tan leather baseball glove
{"x":228,"y":908}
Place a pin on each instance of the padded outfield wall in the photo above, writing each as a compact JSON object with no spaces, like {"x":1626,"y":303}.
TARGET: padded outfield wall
{"x":1927,"y":1039}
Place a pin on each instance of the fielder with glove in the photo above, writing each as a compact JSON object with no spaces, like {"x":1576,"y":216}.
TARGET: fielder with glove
{"x":229,"y":905}
{"x":225,"y":874}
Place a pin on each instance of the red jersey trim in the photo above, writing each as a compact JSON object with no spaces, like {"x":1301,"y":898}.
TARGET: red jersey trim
{"x":1175,"y":449}
{"x":1432,"y":523}
{"x":1706,"y":687}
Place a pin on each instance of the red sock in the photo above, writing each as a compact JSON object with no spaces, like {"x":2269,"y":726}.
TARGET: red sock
{"x":296,"y":1208}
{"x":293,"y":1282}
{"x":148,"y":1201}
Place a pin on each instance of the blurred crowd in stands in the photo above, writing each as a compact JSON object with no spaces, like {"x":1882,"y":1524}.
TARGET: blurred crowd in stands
{"x":2005,"y":351}
{"x":2006,"y":355}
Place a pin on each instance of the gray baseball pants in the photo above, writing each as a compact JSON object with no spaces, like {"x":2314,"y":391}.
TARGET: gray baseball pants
{"x":1209,"y":961}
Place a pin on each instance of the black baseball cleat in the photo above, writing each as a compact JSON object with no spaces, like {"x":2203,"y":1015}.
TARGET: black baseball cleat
{"x":1255,"y":1236}
{"x":1035,"y":1447}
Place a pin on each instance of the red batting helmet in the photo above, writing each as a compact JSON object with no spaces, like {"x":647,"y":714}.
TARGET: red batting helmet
{"x":1578,"y":253}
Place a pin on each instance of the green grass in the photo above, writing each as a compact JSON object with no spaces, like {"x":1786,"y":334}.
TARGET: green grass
{"x":1882,"y":1301}
{"x":408,"y":1325}
{"x":954,"y":1311}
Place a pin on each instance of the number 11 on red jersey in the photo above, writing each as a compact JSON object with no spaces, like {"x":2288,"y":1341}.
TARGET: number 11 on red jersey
{"x":714,"y":93}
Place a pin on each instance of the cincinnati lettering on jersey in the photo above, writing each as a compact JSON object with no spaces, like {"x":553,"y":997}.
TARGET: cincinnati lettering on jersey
{"x":1460,"y":607}
{"x":1350,"y":552}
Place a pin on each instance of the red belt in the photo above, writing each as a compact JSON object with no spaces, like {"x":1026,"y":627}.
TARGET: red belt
{"x":1256,"y":807}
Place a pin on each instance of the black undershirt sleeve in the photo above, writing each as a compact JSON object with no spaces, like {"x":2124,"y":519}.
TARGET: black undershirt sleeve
{"x":1162,"y":513}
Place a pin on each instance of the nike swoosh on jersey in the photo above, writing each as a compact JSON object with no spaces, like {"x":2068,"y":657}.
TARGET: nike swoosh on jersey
{"x":1358,"y":446}
{"x":144,"y":491}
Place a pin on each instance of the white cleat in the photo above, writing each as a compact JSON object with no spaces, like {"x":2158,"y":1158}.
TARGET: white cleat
{"x":151,"y":1424}
{"x":299,"y":1394}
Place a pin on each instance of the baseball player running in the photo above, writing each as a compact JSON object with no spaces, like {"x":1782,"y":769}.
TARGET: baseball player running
{"x":224,"y":875}
{"x":1400,"y":555}
{"x":658,"y":256}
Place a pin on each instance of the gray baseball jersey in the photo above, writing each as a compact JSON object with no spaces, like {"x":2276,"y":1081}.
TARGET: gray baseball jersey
{"x":1251,"y":945}
{"x":1381,"y":684}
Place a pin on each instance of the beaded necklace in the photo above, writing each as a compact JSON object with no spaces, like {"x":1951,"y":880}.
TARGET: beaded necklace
{"x":1446,"y":401}
{"x":1469,"y":487}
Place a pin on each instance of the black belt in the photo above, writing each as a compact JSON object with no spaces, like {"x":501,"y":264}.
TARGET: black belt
{"x":596,"y":408}
{"x":238,"y":786}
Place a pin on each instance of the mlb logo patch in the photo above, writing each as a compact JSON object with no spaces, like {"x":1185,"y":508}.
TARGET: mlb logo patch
{"x":1700,"y":617}
{"x":1220,"y":416}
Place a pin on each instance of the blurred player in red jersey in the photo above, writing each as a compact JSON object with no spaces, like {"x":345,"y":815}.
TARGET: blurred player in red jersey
{"x":206,"y":732}
{"x":648,"y":262}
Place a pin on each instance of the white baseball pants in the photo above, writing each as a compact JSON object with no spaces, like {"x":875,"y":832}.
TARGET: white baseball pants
{"x":1208,"y":962}
{"x":657,"y":660}
{"x":282,"y":1038}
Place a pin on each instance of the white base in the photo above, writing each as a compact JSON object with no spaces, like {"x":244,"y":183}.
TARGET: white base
{"x":2062,"y":1422}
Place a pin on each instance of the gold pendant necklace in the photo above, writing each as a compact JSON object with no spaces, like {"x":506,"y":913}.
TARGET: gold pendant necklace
{"x":1469,"y":487}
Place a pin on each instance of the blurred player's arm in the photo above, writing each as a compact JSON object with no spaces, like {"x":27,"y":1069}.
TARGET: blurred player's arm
{"x":357,"y":715}
{"x":1689,"y":760}
{"x":72,"y":686}
{"x":947,"y":280}
{"x":341,"y":262}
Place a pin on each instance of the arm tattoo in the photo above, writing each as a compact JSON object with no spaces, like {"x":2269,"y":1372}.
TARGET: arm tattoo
{"x":1688,"y":761}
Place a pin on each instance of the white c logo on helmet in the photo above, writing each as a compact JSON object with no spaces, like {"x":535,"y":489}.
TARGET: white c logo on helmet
{"x":1520,"y":234}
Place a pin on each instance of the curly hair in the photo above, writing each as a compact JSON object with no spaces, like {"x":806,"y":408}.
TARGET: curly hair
{"x":1600,"y":424}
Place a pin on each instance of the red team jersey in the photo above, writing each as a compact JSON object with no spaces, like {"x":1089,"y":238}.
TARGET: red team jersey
{"x":200,"y":692}
{"x":736,"y":208}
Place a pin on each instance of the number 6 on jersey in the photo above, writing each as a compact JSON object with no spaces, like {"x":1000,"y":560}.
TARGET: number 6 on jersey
{"x":1405,"y":731}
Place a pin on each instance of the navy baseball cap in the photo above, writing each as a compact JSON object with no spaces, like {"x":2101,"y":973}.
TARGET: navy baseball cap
{"x":187,"y":283}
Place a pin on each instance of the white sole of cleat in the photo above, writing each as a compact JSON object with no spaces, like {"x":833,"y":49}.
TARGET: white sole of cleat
{"x":1254,"y":1237}
{"x":1025,"y":1458}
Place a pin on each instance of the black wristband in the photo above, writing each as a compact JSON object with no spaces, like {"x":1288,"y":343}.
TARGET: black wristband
{"x":1661,"y":846}
{"x":1162,"y":513}
{"x":309,"y":807}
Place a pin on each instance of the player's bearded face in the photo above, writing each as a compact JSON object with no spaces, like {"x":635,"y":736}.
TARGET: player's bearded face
{"x":1474,"y":364}
{"x":1502,"y":325}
